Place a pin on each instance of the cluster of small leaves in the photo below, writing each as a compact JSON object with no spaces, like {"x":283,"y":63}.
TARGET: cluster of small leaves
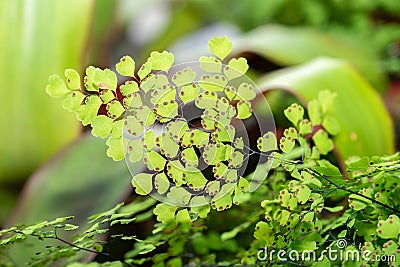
{"x":98,"y":93}
{"x":296,"y":218}
{"x":298,"y":204}
{"x":291,"y":215}
{"x":59,"y":247}
{"x":374,"y":206}
{"x":306,"y":201}
{"x":155,"y":96}
{"x":173,"y":156}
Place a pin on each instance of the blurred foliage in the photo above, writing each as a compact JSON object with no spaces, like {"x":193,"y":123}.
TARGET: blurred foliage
{"x":375,"y":21}
{"x":36,"y":39}
{"x":287,"y":46}
{"x":80,"y":181}
{"x":373,"y":135}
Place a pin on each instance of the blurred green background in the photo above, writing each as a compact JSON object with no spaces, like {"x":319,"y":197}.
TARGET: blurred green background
{"x":302,"y":46}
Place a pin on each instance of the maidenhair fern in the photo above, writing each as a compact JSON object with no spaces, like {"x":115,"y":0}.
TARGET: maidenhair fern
{"x":146,"y":120}
{"x":186,"y":124}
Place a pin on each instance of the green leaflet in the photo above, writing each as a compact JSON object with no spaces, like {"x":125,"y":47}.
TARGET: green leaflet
{"x":195,"y":179}
{"x":129,"y":87}
{"x":287,"y":144}
{"x":331,"y":125}
{"x":210,"y":64}
{"x":263,"y":232}
{"x":225,"y":134}
{"x":267,"y":142}
{"x":305,"y":127}
{"x":222,"y":106}
{"x":236,"y":159}
{"x":182,"y":217}
{"x":240,"y":197}
{"x":101,"y":126}
{"x":161,"y":183}
{"x":243,"y":184}
{"x":177,"y":128}
{"x":246,"y":92}
{"x":189,"y":157}
{"x":73,"y":101}
{"x":209,"y":119}
{"x":126,"y":66}
{"x":195,"y":137}
{"x":236,"y":67}
{"x":149,"y":141}
{"x":302,"y":194}
{"x":198,"y":206}
{"x":144,"y":70}
{"x":220,"y":46}
{"x":231,"y":176}
{"x":87,"y":112}
{"x":133,"y":126}
{"x":189,"y":92}
{"x":56,"y":86}
{"x":213,"y":188}
{"x":179,"y":195}
{"x":326,"y":98}
{"x":161,"y":61}
{"x":115,"y":109}
{"x":222,"y":203}
{"x":115,"y":148}
{"x":244,"y":110}
{"x":323,"y":142}
{"x":290,"y":133}
{"x":184,"y":77}
{"x":97,"y":78}
{"x":145,"y":115}
{"x":161,"y":82}
{"x":73,"y":79}
{"x":107,"y":96}
{"x":214,"y":153}
{"x":213,"y":83}
{"x":294,"y":113}
{"x":230,"y":92}
{"x":223,"y":200}
{"x":165,"y":94}
{"x":389,"y":228}
{"x":314,"y":111}
{"x":143,"y":183}
{"x":206,"y":100}
{"x":117,"y":128}
{"x":239,"y":144}
{"x":357,"y":202}
{"x":154,"y":161}
{"x":220,"y":170}
{"x":166,"y":111}
{"x":135,"y":151}
{"x":165,"y":213}
{"x":133,"y":101}
{"x":167,"y":145}
{"x":175,"y":171}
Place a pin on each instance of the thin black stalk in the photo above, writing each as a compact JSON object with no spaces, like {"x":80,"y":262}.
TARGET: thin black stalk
{"x":352,"y":192}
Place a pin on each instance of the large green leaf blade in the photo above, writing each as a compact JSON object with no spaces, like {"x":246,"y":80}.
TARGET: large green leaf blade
{"x":366,"y":127}
{"x":37,"y":38}
{"x":287,"y":46}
